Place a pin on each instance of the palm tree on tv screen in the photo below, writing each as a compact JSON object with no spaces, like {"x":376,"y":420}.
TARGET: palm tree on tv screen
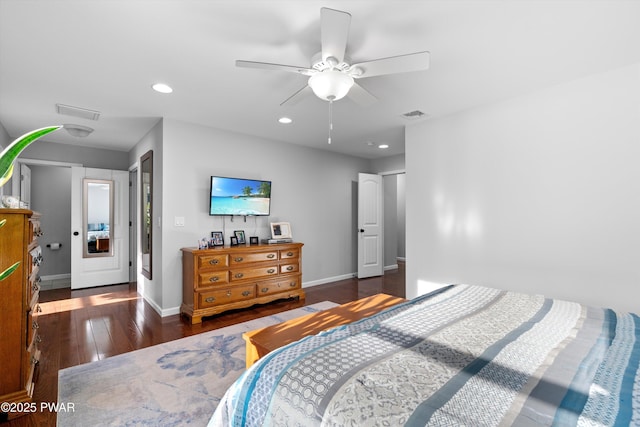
{"x":265,"y":189}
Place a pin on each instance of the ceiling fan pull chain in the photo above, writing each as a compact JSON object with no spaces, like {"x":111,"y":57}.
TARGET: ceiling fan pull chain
{"x":330,"y":119}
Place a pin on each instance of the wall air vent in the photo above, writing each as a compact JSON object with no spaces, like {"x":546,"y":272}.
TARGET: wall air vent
{"x":413,"y":115}
{"x":83,"y":113}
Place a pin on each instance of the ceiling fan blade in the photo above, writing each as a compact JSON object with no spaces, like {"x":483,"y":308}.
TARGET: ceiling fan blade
{"x":396,"y":64}
{"x":297,"y":97}
{"x":361,"y":96}
{"x":279,"y":67}
{"x":334,"y":32}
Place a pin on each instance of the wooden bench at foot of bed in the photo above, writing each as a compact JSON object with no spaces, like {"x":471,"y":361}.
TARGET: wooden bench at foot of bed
{"x":262,"y":341}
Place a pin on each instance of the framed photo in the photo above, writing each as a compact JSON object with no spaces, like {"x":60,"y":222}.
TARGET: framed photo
{"x":280,"y":230}
{"x":240,"y":236}
{"x":234,"y":241}
{"x":253,"y":240}
{"x":217,"y":238}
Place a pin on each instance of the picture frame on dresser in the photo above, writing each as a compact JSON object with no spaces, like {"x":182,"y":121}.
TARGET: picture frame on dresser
{"x":240,"y":236}
{"x":217,"y":238}
{"x":280,"y":230}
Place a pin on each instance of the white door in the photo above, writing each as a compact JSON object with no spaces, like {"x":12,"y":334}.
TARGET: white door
{"x":370,"y":233}
{"x":111,"y":265}
{"x":25,"y":184}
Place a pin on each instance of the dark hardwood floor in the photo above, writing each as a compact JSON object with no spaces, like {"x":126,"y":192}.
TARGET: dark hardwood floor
{"x":89,"y":325}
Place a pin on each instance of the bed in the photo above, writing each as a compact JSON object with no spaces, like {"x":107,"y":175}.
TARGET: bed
{"x":462,"y":355}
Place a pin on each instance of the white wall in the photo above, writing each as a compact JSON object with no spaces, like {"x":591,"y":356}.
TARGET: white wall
{"x":312,"y":189}
{"x":539,"y":194}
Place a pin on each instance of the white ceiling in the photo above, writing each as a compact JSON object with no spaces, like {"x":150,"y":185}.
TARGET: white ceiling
{"x":104,"y":55}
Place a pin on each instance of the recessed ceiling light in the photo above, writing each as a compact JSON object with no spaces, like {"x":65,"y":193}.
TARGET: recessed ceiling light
{"x":383,"y":146}
{"x":162,"y":88}
{"x":285,"y":120}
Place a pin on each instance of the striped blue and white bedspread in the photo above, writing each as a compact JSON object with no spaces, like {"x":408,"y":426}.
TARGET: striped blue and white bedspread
{"x":465,"y":355}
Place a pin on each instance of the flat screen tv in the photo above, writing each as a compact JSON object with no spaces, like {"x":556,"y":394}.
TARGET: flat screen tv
{"x":237,"y":196}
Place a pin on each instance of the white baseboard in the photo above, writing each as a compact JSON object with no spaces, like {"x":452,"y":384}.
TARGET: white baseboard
{"x":162,"y":312}
{"x":56,"y":276}
{"x":55,"y":281}
{"x":170,"y":311}
{"x":341,"y":277}
{"x":328,"y":280}
{"x":153,"y":304}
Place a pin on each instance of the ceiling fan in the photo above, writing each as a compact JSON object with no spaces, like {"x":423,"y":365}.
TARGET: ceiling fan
{"x":331,"y":76}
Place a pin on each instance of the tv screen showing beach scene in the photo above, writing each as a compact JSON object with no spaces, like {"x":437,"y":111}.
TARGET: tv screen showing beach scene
{"x":237,"y":196}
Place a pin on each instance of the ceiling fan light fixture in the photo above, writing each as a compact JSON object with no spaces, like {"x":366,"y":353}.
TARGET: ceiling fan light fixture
{"x":330,"y":85}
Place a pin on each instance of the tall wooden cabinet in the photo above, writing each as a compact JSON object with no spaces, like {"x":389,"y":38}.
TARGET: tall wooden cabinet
{"x":225,"y":278}
{"x":20,"y":257}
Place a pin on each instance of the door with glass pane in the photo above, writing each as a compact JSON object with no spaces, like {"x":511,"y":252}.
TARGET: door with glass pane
{"x":99,"y":227}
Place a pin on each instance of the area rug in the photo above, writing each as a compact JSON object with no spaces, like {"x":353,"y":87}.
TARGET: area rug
{"x":176,"y":383}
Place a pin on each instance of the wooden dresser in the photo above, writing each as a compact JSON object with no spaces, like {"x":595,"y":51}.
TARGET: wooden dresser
{"x":20,"y":257}
{"x":225,"y":278}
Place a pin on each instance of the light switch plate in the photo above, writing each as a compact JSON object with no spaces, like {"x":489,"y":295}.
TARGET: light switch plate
{"x":179,"y":221}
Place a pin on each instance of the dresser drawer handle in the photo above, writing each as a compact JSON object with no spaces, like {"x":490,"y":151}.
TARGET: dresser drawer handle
{"x":271,"y":256}
{"x":238,"y":259}
{"x":228,"y":293}
{"x":38,"y":339}
{"x":264,"y":290}
{"x":239,"y":275}
{"x":271,"y":270}
{"x":289,"y":253}
{"x":35,"y":325}
{"x":213,"y":279}
{"x":246,"y":293}
{"x":214,"y":261}
{"x":38,"y":309}
{"x":289,"y":268}
{"x":292,"y":284}
{"x":210,"y":299}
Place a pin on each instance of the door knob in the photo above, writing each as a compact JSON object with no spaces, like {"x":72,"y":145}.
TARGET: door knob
{"x":362,"y":230}
{"x":75,"y":233}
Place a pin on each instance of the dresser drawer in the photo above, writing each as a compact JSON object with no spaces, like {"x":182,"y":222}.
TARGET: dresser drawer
{"x":213,"y":278}
{"x":225,"y":296}
{"x":290,"y":254}
{"x":34,"y":229}
{"x":33,"y":336}
{"x":245,"y":258}
{"x":289,"y":268}
{"x":266,"y":288}
{"x":32,"y":327}
{"x":34,"y":284}
{"x":212,"y":261}
{"x":253,"y":273}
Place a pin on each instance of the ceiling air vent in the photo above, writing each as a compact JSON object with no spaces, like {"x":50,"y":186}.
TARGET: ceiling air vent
{"x":413,"y":115}
{"x":83,"y":113}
